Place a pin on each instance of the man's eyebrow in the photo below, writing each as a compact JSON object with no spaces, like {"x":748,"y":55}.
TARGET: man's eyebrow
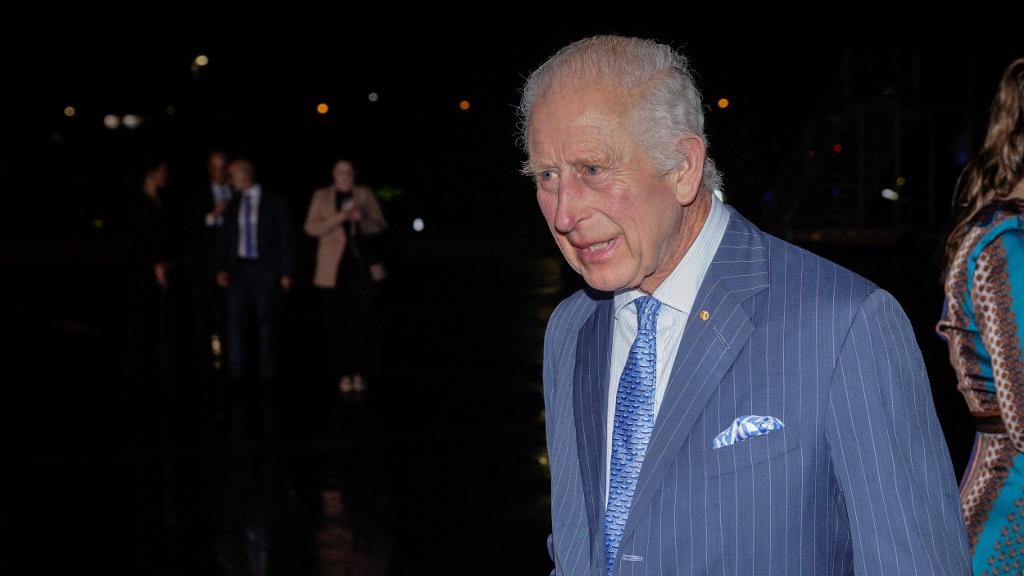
{"x":531,"y":168}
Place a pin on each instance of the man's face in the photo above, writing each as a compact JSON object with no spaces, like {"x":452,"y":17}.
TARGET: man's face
{"x":217,"y":167}
{"x":239,"y":177}
{"x":615,"y":220}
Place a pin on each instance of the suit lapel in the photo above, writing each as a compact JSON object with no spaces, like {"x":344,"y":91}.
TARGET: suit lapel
{"x":590,"y":405}
{"x":709,"y":347}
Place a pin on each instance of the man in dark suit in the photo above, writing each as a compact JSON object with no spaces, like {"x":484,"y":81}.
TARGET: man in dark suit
{"x":256,"y":268}
{"x":720,"y":401}
{"x":204,"y":223}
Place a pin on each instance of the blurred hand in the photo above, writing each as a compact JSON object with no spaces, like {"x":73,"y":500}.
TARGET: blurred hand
{"x":222,"y":279}
{"x":160,"y":274}
{"x":219,"y":208}
{"x":286,"y":283}
{"x":351,"y":214}
{"x":377,"y":272}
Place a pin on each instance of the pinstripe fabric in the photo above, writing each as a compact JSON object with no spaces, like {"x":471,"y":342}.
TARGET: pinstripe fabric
{"x":858,"y":480}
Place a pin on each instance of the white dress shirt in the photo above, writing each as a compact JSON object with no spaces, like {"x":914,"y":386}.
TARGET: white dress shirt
{"x":253,"y":194}
{"x":676,"y":294}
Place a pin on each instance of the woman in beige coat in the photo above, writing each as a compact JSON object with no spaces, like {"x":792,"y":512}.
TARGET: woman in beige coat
{"x":345,"y":219}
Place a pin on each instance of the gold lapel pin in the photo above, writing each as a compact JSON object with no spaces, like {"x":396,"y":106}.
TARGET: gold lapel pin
{"x":704,"y":315}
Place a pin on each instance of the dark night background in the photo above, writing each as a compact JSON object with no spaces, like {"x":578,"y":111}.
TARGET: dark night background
{"x":442,"y":468}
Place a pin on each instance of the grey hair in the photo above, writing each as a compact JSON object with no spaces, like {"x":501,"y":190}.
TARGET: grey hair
{"x":666,"y":102}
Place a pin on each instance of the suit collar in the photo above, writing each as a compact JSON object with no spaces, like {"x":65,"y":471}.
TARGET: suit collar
{"x":680,"y":288}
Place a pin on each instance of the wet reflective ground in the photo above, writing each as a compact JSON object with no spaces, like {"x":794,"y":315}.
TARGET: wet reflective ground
{"x":439,"y":469}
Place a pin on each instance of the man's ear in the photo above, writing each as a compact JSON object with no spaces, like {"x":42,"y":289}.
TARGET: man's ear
{"x":686,"y":179}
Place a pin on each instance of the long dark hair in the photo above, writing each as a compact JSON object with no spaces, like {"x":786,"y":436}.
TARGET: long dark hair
{"x":999,"y":166}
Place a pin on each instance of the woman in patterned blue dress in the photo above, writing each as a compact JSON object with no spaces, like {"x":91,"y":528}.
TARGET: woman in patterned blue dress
{"x":983,"y":323}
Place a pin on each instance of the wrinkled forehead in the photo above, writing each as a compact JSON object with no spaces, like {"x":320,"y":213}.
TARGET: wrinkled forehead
{"x":574,"y":115}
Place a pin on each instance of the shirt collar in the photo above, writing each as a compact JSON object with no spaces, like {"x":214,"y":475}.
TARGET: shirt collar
{"x":679,"y":290}
{"x":253,"y":192}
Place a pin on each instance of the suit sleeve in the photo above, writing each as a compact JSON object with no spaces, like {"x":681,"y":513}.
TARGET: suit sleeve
{"x":888,"y":453}
{"x":550,"y":361}
{"x":997,"y":292}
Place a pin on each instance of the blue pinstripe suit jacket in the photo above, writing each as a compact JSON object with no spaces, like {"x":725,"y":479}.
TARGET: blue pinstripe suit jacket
{"x":858,"y":481}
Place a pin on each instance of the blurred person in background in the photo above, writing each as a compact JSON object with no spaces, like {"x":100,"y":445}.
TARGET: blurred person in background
{"x":255,"y":266}
{"x":347,"y":222}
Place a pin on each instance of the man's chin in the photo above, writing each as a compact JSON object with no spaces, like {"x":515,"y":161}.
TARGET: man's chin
{"x":604,"y":282}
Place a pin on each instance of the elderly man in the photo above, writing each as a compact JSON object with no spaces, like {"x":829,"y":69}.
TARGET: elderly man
{"x":204,"y":222}
{"x":720,"y":401}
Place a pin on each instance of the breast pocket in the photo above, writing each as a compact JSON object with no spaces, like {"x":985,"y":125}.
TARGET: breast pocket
{"x":751,"y":452}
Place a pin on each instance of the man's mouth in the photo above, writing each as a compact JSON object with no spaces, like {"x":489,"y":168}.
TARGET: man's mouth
{"x":598,"y":246}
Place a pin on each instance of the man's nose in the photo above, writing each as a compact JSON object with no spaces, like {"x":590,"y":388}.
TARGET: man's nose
{"x":571,"y":204}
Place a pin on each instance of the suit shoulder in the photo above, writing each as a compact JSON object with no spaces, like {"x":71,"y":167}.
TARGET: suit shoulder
{"x":744,"y":242}
{"x":567,"y":319}
{"x":570,"y":313}
{"x":562,"y":333}
{"x":829,"y":287}
{"x":829,"y":279}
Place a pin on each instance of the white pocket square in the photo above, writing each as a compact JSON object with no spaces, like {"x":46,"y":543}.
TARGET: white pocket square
{"x":746,"y":427}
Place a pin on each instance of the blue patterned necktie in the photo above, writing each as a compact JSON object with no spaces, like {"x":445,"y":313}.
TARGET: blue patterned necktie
{"x":634,"y":422}
{"x":247,"y":217}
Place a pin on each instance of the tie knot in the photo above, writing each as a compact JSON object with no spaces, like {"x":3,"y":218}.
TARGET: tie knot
{"x":647,"y":309}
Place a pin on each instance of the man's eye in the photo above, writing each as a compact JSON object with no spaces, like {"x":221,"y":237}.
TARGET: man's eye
{"x":592,"y":170}
{"x":547,"y":175}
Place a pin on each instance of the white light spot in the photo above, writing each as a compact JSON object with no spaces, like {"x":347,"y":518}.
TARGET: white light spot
{"x":417,"y":224}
